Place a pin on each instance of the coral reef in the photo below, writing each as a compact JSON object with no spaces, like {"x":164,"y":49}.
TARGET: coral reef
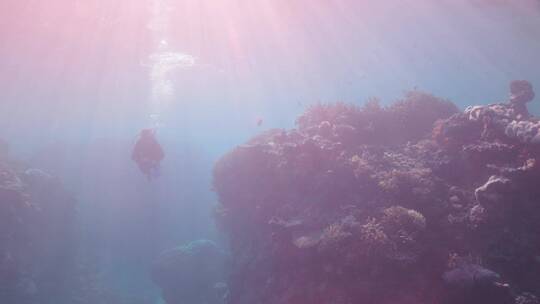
{"x":37,"y":235}
{"x":416,"y":202}
{"x":193,"y":273}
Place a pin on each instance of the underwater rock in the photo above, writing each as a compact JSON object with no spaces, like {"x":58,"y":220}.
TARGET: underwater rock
{"x":470,"y":275}
{"x":365,"y":205}
{"x":521,"y":92}
{"x":193,"y":273}
{"x":471,"y":283}
{"x":527,"y":298}
{"x":492,"y":190}
{"x":508,"y":122}
{"x":524,"y":131}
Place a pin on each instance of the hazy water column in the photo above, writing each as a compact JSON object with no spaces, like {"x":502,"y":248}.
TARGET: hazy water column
{"x":163,"y":61}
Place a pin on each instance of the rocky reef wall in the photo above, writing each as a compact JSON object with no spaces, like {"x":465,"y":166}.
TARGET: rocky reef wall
{"x":416,"y":202}
{"x":38,"y":236}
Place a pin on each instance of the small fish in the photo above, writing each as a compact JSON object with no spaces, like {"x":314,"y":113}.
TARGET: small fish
{"x":259,"y":122}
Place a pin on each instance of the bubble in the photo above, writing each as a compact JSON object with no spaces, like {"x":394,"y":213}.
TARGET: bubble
{"x":171,"y":60}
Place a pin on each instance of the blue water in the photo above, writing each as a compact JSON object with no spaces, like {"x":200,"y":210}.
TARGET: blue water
{"x":77,"y":85}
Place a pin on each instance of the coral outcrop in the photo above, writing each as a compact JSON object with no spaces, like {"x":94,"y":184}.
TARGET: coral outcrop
{"x":37,"y":235}
{"x":416,"y":202}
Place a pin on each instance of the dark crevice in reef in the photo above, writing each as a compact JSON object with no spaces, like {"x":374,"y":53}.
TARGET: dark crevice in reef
{"x":416,"y":202}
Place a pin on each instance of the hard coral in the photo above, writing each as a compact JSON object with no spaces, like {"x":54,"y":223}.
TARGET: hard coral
{"x":360,"y":204}
{"x":36,"y":227}
{"x":414,"y":115}
{"x":521,"y":92}
{"x":408,"y":119}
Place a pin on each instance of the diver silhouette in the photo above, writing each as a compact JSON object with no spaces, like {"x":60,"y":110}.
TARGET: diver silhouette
{"x":148,"y":154}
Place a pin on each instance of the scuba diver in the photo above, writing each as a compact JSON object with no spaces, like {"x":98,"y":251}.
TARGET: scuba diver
{"x":147,"y":153}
